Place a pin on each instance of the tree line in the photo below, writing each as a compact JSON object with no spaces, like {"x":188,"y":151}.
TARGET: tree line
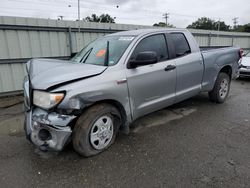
{"x":201,"y":23}
{"x":210,"y":24}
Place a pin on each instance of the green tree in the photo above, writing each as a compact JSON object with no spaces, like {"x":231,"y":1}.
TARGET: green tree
{"x":242,"y":28}
{"x":105,"y":18}
{"x":162,"y":24}
{"x":209,"y":24}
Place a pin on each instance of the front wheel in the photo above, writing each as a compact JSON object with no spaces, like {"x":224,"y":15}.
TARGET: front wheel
{"x":221,"y":88}
{"x":96,"y":129}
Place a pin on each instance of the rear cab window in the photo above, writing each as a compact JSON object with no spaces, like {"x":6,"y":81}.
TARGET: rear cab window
{"x":180,"y":44}
{"x":155,"y":43}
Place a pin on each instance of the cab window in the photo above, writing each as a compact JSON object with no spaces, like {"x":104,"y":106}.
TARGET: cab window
{"x":155,"y":43}
{"x":180,"y":43}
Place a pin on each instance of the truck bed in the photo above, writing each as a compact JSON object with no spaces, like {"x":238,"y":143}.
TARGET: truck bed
{"x":214,"y":59}
{"x":208,"y":48}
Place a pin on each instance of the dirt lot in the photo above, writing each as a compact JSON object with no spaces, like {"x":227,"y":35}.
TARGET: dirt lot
{"x":192,"y":144}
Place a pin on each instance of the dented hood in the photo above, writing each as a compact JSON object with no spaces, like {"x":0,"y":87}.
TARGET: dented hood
{"x":46,"y":73}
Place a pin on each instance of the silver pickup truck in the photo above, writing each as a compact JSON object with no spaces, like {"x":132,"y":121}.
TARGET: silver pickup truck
{"x":115,"y":80}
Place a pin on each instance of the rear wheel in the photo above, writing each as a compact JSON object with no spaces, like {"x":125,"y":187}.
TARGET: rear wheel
{"x":96,"y":129}
{"x":221,"y":88}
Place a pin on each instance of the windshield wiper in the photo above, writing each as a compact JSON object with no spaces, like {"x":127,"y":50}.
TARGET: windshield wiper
{"x":106,"y":60}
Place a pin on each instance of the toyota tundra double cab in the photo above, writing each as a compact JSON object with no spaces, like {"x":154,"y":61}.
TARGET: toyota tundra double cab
{"x":115,"y":80}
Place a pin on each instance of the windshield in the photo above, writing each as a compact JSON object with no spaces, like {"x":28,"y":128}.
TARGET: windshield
{"x":104,"y":51}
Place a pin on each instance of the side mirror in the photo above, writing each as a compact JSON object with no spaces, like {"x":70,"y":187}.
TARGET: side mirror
{"x":143,"y":58}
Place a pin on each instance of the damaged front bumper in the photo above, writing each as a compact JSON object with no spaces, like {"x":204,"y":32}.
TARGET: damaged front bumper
{"x":47,"y":130}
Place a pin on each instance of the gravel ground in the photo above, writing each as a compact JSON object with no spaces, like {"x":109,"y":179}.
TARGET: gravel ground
{"x":192,"y":144}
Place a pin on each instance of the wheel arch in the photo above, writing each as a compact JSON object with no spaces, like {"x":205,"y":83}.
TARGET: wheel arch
{"x":227,"y":69}
{"x":118,"y":106}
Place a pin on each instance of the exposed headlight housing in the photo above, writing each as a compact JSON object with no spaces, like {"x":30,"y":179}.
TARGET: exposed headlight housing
{"x":47,"y":100}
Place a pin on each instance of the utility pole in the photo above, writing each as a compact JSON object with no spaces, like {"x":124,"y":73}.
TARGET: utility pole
{"x":218,"y":28}
{"x":219,"y":25}
{"x":79,"y":16}
{"x":166,"y":16}
{"x":235,"y":21}
{"x":79,"y":30}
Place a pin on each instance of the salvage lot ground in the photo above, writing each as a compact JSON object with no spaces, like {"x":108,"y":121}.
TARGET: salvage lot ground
{"x":192,"y":144}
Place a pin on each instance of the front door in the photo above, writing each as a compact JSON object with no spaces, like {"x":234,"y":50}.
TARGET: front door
{"x":151,"y":87}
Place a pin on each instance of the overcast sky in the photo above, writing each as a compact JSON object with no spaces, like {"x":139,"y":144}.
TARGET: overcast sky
{"x":143,"y":12}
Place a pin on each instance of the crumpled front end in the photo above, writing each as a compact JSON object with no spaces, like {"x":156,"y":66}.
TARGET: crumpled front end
{"x":47,"y":130}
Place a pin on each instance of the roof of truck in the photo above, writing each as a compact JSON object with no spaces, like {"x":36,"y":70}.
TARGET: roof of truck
{"x":146,"y":31}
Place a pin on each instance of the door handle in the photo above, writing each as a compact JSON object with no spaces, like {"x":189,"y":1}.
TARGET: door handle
{"x":170,"y":67}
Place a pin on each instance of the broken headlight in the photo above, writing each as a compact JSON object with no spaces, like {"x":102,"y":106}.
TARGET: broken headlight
{"x":47,"y":100}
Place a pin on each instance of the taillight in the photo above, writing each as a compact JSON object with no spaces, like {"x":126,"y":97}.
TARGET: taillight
{"x":241,"y":53}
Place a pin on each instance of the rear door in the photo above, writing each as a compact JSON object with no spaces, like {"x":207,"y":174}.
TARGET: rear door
{"x":151,"y":87}
{"x":189,"y":67}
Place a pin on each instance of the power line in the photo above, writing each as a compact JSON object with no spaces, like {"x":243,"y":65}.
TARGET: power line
{"x":33,"y":9}
{"x":97,"y":5}
{"x":29,"y":14}
{"x":69,"y":13}
{"x":60,"y":11}
{"x":88,"y":6}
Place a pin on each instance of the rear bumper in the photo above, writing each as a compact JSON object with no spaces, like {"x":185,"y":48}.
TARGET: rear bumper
{"x":47,"y":130}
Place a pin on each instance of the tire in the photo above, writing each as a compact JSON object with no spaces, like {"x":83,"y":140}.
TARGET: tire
{"x":96,"y":129}
{"x":221,"y":88}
